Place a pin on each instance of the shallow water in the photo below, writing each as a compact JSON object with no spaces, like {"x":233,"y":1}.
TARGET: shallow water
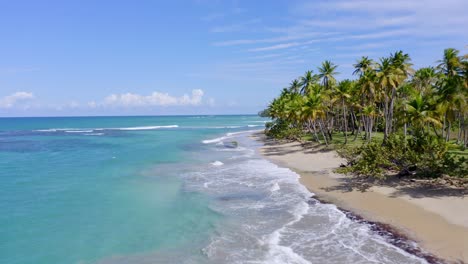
{"x":163,"y":190}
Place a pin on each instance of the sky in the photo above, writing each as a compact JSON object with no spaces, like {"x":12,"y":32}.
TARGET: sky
{"x":79,"y":58}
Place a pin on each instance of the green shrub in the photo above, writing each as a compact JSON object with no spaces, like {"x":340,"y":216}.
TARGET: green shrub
{"x":280,"y":129}
{"x":423,"y":154}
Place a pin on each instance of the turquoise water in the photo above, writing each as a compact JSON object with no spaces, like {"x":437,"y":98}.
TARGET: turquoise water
{"x":141,"y":190}
{"x":76,"y":190}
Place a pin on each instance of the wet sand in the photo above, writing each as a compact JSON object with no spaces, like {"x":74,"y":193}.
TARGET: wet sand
{"x":434,"y":215}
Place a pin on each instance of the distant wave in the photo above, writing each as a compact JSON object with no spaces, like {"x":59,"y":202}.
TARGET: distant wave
{"x":228,"y":135}
{"x":90,"y":130}
{"x":143,"y":127}
{"x":214,"y":140}
{"x":78,"y":131}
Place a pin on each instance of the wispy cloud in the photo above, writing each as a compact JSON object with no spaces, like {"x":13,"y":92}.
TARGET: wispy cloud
{"x":273,"y":39}
{"x":276,"y":47}
{"x":14,"y":99}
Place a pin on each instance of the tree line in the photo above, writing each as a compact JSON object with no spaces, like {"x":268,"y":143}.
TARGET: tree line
{"x":387,"y":96}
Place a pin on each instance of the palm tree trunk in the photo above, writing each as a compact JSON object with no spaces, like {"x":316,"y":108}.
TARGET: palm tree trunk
{"x":449,"y":127}
{"x":315,"y":132}
{"x":386,"y":130}
{"x":392,"y":104}
{"x":358,"y":130}
{"x":443,"y":126}
{"x":323,"y":133}
{"x":345,"y":130}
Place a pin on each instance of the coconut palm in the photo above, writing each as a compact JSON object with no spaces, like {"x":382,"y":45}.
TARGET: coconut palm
{"x":425,"y":79}
{"x":450,"y":63}
{"x":363,"y":65}
{"x":387,"y":79}
{"x":295,"y":86}
{"x":307,"y":81}
{"x":314,"y":111}
{"x":327,"y":73}
{"x":420,"y":112}
{"x":342,"y":91}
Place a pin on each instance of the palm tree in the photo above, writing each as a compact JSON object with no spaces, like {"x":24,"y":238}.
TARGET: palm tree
{"x":307,"y":81}
{"x":420,"y":112}
{"x":425,"y":79}
{"x":369,"y":112}
{"x":295,"y":86}
{"x":450,"y":63}
{"x":327,"y":73}
{"x":313,"y":110}
{"x":343,"y":93}
{"x":363,"y":65}
{"x":387,"y":78}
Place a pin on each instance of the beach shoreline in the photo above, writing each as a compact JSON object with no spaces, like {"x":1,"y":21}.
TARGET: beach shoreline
{"x":433,"y":216}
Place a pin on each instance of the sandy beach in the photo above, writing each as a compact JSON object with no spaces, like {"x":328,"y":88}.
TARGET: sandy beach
{"x":433,"y":215}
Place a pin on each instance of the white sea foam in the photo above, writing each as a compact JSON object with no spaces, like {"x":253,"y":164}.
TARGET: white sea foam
{"x":78,"y":131}
{"x":214,"y":140}
{"x":52,"y":129}
{"x":253,"y":189}
{"x":275,"y":187}
{"x":217,"y":163}
{"x":93,"y":134}
{"x":144,"y":127}
{"x":89,"y":130}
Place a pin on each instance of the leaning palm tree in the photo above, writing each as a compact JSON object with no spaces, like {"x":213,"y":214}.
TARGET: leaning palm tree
{"x":327,"y":73}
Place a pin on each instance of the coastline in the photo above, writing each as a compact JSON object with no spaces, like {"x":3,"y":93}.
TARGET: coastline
{"x":436,"y":217}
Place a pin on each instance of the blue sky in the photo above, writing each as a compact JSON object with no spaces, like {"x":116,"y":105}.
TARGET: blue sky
{"x":199,"y":57}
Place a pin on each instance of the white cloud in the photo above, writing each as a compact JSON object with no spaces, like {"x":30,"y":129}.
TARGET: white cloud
{"x":153,"y":99}
{"x":13,"y":99}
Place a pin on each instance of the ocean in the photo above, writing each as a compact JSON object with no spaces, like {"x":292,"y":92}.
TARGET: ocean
{"x":164,"y":189}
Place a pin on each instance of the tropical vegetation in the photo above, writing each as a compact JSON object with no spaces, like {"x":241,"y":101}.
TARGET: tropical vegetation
{"x":408,"y":120}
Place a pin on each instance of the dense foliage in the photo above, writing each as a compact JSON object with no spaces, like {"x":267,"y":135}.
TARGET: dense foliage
{"x":427,"y":109}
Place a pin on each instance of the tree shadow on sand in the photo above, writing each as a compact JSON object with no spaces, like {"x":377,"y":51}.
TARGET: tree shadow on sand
{"x":413,"y":187}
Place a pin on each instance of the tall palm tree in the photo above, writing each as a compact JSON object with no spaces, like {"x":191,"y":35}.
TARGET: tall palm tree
{"x":387,"y":77}
{"x":327,"y":73}
{"x":343,"y":93}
